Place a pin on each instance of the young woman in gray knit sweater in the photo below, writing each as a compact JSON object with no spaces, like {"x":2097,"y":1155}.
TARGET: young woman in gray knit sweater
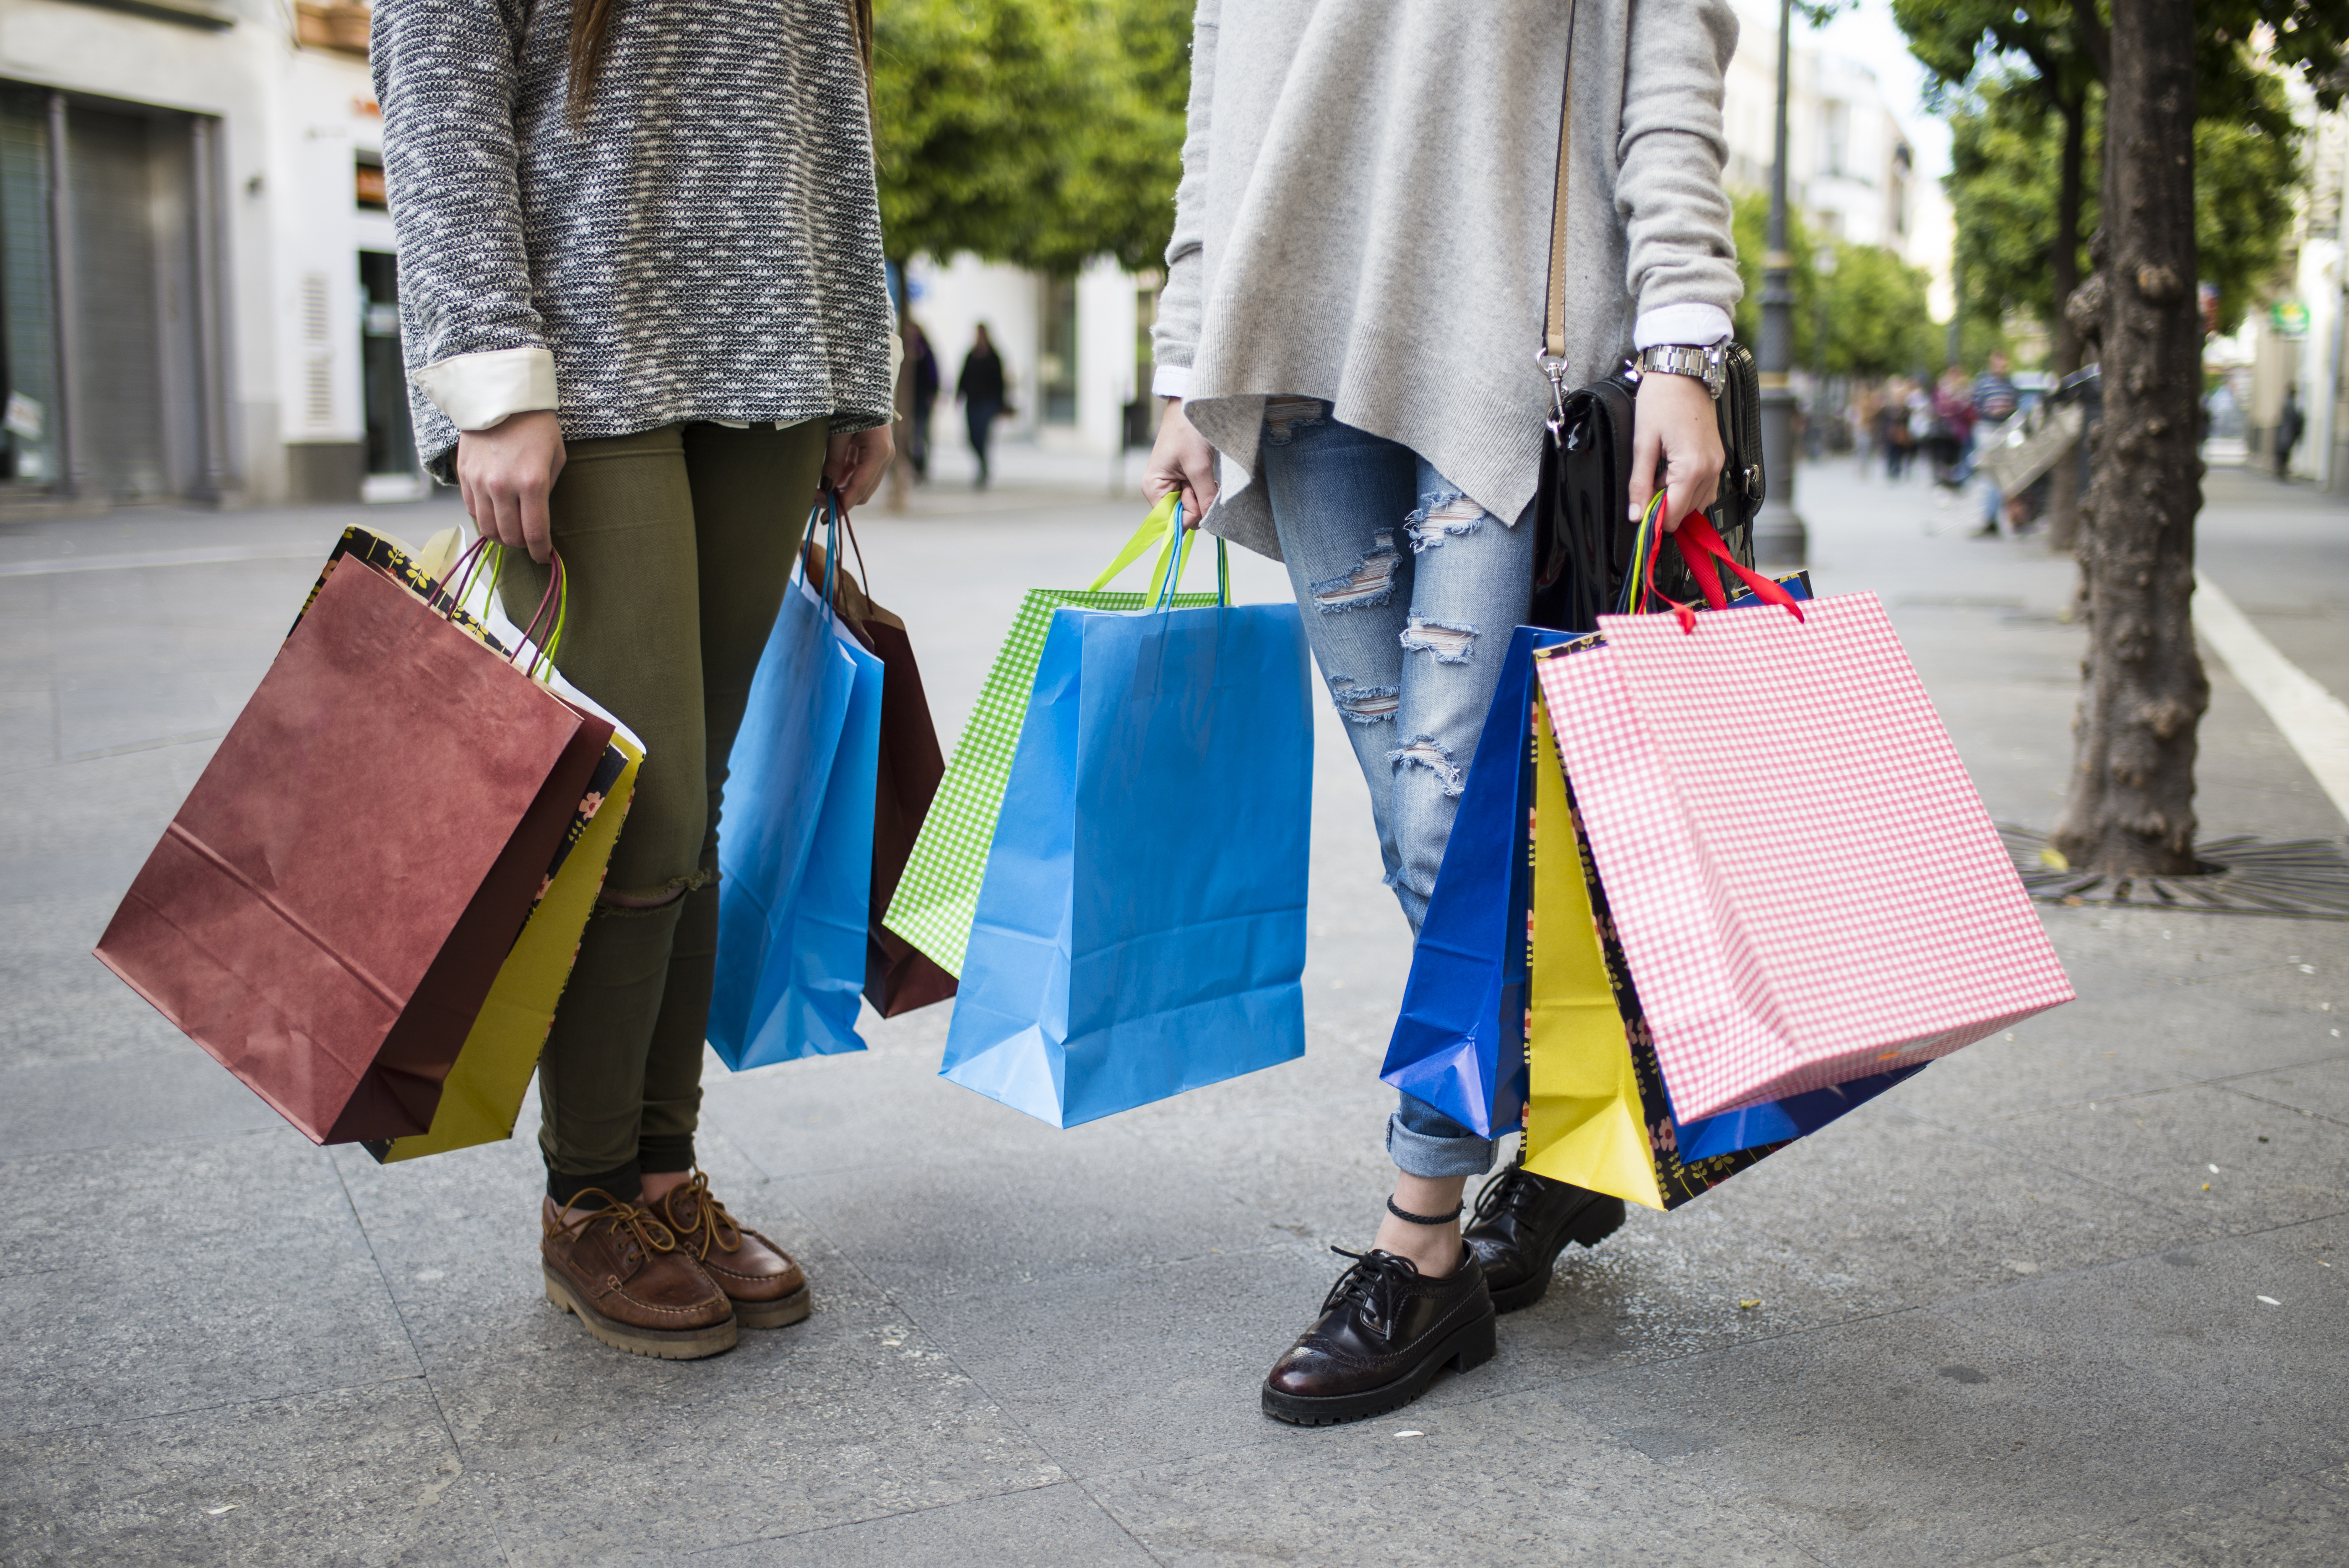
{"x":643,"y":307}
{"x":1354,"y":306}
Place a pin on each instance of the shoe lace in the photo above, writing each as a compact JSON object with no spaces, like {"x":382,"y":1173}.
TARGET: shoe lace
{"x":1509,"y":1187}
{"x":1373,"y":1283}
{"x":654,"y":1236}
{"x":706,"y":1217}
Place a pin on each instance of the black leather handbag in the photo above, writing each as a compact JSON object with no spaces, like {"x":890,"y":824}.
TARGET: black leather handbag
{"x":1583,"y":540}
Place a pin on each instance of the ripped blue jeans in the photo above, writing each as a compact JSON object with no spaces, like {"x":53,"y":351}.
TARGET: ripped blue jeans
{"x":1409,"y":590}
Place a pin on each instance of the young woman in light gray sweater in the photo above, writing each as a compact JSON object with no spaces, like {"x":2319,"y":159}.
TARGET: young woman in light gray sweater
{"x":1348,"y":345}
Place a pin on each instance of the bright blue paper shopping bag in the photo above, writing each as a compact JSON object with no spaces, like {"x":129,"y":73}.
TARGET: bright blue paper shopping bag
{"x":1459,"y":1041}
{"x":1141,"y":929}
{"x":796,"y":845}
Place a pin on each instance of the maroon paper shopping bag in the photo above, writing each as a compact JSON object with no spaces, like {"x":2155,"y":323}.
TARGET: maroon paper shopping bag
{"x":898,"y":977}
{"x":329,"y":908}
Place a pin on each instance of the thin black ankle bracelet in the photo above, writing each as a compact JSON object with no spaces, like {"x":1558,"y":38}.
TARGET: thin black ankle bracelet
{"x":1410,"y":1218}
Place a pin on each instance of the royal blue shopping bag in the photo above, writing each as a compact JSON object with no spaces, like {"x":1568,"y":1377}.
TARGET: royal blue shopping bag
{"x":1459,"y":1040}
{"x":1141,"y":927}
{"x":795,"y":849}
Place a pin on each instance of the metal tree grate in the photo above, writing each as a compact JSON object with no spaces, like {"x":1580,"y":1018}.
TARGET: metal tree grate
{"x":2304,"y":878}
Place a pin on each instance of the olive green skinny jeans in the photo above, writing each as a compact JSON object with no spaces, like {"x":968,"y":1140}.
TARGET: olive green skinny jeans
{"x":677,"y":546}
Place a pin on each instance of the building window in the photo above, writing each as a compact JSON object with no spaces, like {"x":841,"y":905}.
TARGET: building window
{"x":109,"y":330}
{"x":28,"y":328}
{"x":390,"y":440}
{"x":367,"y":184}
{"x":1835,"y":138}
{"x":1056,"y":366}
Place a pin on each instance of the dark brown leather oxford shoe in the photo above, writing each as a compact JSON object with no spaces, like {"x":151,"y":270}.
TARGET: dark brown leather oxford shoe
{"x":1524,"y":1220}
{"x":1384,"y":1332}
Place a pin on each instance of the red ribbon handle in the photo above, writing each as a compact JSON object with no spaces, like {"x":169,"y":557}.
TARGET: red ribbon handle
{"x":1697,"y":531}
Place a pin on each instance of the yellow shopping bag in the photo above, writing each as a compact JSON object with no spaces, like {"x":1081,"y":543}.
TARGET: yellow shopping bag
{"x":1597,"y":1114}
{"x":483,"y":1096}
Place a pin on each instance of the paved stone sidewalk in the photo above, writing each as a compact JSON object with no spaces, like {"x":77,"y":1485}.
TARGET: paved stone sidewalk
{"x":2074,"y":1297}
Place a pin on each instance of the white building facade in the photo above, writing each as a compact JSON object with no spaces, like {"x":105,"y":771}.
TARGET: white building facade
{"x":197,"y":294}
{"x":1851,"y":162}
{"x":1075,"y":350}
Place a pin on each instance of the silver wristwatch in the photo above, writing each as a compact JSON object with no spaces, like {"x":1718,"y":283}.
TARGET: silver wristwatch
{"x":1710,"y":366}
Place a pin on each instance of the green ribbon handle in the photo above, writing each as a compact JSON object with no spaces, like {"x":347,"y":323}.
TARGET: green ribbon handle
{"x":1164,"y":529}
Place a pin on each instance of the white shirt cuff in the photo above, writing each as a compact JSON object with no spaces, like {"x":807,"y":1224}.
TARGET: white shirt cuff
{"x":477,"y":390}
{"x":1695,"y":326}
{"x":1171,"y":381}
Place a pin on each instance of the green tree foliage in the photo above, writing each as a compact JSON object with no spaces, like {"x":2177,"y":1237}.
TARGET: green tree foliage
{"x":1872,"y":305}
{"x":1877,"y":320}
{"x":1749,"y":224}
{"x":1038,"y":133}
{"x":2004,"y":147}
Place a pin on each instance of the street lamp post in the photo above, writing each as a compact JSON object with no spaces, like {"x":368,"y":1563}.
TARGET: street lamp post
{"x":1779,"y":536}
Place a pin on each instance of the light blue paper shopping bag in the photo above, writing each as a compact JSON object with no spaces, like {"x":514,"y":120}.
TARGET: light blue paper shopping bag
{"x":795,"y":844}
{"x":1141,"y":929}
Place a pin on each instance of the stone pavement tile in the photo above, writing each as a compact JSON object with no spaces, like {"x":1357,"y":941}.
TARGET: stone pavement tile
{"x":2320,"y":1089}
{"x":28,"y":735}
{"x":1995,"y":1422}
{"x":883,"y":1105}
{"x":159,"y":1278}
{"x":2326,"y":1241}
{"x":952,"y":1223}
{"x":1514,"y":1479}
{"x":2159,"y":1148}
{"x":64,"y":1005}
{"x":168,"y":1094}
{"x":1891,"y":1212}
{"x":2043,"y":1064}
{"x":105,"y":812}
{"x":1047,"y":1523}
{"x":593,"y":1455}
{"x":1144,"y":1365}
{"x":2291,"y":1523}
{"x":361,"y":1476}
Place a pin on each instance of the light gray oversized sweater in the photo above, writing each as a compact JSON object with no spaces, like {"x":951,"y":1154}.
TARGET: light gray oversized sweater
{"x":1364,"y":217}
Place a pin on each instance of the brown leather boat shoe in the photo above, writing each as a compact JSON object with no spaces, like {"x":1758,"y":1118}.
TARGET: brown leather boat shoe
{"x":622,"y":1272}
{"x":767,"y":1288}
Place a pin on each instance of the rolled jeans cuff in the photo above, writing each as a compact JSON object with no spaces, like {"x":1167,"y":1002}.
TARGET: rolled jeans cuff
{"x":1424,"y":1141}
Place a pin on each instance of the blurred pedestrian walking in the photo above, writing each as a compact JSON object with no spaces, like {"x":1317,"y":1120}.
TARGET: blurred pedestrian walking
{"x":1353,"y":334}
{"x":666,"y":437}
{"x":1995,"y":400}
{"x":980,"y":389}
{"x":922,"y":374}
{"x":1953,"y":428}
{"x":2290,"y":423}
{"x":1894,"y":436}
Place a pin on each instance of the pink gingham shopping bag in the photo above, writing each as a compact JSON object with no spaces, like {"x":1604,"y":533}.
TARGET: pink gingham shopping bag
{"x":1806,"y":886}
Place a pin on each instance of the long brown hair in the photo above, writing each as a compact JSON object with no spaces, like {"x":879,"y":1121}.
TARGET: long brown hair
{"x":591,"y":31}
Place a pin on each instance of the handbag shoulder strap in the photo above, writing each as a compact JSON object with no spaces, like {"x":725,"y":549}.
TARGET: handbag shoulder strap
{"x":1553,"y":350}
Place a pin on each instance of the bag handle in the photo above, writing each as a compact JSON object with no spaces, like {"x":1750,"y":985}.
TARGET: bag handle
{"x":465,"y":571}
{"x":826,"y":506}
{"x":1163,"y":528}
{"x":1700,"y":546}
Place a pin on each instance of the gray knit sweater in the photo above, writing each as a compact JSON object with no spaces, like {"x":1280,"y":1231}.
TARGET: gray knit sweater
{"x":1365,"y":209}
{"x":706,"y":246}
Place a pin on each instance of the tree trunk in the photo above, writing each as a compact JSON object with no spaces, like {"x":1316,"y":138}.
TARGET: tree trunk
{"x":2131,"y":808}
{"x":2064,"y":346}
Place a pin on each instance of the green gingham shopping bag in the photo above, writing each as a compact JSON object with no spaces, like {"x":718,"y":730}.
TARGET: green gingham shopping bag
{"x":937,"y":898}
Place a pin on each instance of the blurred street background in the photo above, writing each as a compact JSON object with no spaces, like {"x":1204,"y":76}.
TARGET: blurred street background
{"x":2071,"y":1297}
